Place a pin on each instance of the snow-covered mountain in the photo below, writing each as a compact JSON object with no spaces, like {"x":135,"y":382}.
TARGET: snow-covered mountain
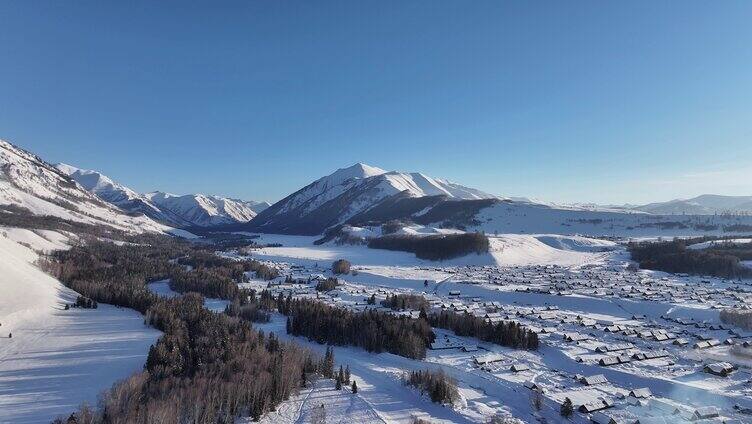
{"x":29,"y":185}
{"x":366,"y":196}
{"x":353,"y":191}
{"x":706,"y":204}
{"x":174,"y":210}
{"x":206,"y":210}
{"x":120,"y":195}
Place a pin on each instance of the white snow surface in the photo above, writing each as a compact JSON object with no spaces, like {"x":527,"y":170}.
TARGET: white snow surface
{"x":43,"y":241}
{"x":340,"y":406}
{"x":57,"y":359}
{"x":528,"y":218}
{"x":593,"y":271}
{"x":419,"y":185}
{"x":505,"y":250}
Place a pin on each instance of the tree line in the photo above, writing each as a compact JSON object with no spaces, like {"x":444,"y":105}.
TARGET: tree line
{"x":503,"y":333}
{"x":674,"y":256}
{"x":398,"y":302}
{"x":328,"y":284}
{"x":371,"y":330}
{"x":738,"y":317}
{"x":433,"y":247}
{"x":435,"y":383}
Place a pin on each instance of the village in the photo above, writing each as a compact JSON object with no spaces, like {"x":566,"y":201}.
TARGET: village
{"x":622,"y":345}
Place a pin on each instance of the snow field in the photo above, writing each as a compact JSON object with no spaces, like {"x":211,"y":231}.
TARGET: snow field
{"x":57,"y":359}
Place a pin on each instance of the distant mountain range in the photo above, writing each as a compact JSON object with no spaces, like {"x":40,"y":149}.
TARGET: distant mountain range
{"x":707,"y":204}
{"x":359,"y":195}
{"x":174,"y":210}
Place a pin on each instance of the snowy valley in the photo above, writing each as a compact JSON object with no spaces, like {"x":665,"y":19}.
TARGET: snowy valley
{"x":538,"y":313}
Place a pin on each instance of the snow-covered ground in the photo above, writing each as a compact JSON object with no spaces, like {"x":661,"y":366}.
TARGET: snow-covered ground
{"x":379,"y":384}
{"x":531,"y":218}
{"x":321,"y":399}
{"x":57,"y":359}
{"x":505,"y":250}
{"x":556,"y":285}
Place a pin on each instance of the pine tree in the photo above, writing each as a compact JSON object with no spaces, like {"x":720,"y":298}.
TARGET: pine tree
{"x":567,"y":409}
{"x":328,"y":366}
{"x":341,"y":375}
{"x":347,"y":374}
{"x":354,"y":387}
{"x":338,"y":383}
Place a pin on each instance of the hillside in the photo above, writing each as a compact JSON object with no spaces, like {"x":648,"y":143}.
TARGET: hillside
{"x":513,"y":217}
{"x":707,"y":204}
{"x":57,"y":358}
{"x":31,"y":186}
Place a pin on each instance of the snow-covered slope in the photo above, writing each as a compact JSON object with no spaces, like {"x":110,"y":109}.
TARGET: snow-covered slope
{"x":514,"y":217}
{"x":57,"y":359}
{"x":30,"y":183}
{"x":351,"y":191}
{"x":707,"y":204}
{"x":181,"y":211}
{"x":325,"y":189}
{"x":504,"y":250}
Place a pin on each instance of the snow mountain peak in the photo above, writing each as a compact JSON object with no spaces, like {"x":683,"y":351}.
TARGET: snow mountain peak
{"x":356,"y":171}
{"x":175,"y":210}
{"x":352,"y":191}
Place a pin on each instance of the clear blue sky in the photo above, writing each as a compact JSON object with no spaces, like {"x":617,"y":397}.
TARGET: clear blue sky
{"x":596,"y":101}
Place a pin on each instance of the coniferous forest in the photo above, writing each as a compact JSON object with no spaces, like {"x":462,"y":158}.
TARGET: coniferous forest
{"x":503,"y":333}
{"x":206,"y":368}
{"x":720,"y":260}
{"x":434,"y":247}
{"x":436,"y":384}
{"x":371,"y":330}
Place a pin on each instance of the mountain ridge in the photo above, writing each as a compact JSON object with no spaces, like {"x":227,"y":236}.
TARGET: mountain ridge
{"x":347,"y":192}
{"x":30,"y":185}
{"x":176,"y":210}
{"x":705,"y":204}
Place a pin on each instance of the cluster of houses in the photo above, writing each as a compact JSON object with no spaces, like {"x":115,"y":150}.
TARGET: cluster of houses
{"x":617,"y":340}
{"x":603,"y":281}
